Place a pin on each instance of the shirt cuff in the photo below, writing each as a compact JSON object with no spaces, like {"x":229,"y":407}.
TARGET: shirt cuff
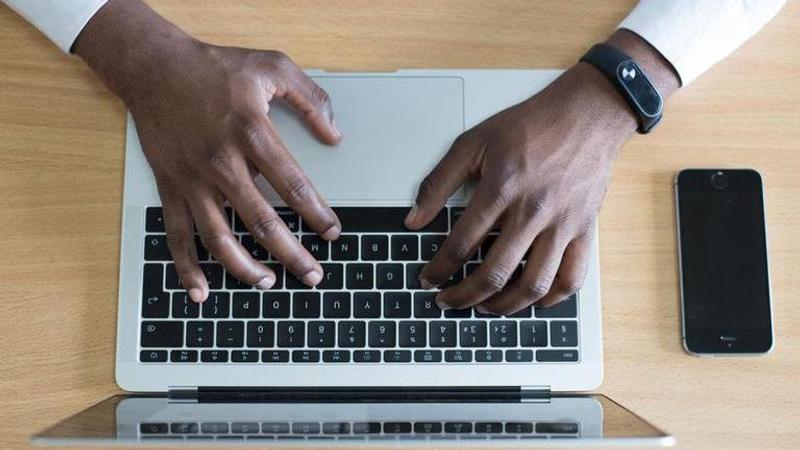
{"x":60,"y":20}
{"x":694,"y":35}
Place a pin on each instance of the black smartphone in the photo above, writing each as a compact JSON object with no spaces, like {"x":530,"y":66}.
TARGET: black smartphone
{"x":724,"y":272}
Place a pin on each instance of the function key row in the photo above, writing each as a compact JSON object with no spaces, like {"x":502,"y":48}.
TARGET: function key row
{"x":359,"y":356}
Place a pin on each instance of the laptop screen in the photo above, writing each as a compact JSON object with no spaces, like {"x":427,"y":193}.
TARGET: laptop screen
{"x":559,"y":420}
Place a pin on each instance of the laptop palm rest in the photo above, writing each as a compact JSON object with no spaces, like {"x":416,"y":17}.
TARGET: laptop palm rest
{"x":395,"y":130}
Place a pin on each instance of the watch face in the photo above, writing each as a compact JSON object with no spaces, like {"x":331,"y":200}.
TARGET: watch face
{"x":641,"y":91}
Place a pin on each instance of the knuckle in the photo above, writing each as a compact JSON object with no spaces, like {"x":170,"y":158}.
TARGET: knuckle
{"x":265,"y":228}
{"x":426,"y":188}
{"x":178,"y":242}
{"x":298,"y":190}
{"x":504,"y":191}
{"x":569,"y":284}
{"x":495,"y":279}
{"x":537,"y":205}
{"x":278,"y":59}
{"x":216,"y":241}
{"x":536,"y":289}
{"x":320,"y":97}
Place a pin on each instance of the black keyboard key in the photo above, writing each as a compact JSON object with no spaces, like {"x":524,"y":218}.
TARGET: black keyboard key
{"x":260,"y":334}
{"x":155,"y":306}
{"x":503,"y":333}
{"x":366,"y":305}
{"x":374,"y":248}
{"x":152,"y":279}
{"x":431,"y":243}
{"x":564,"y":333}
{"x":486,"y":245}
{"x":359,"y":276}
{"x":153,"y":428}
{"x":396,"y":356}
{"x":171,"y":279}
{"x":214,"y":428}
{"x":336,"y":428}
{"x":556,"y":427}
{"x":427,"y":427}
{"x":276,"y":305}
{"x":472,"y":333}
{"x":488,"y":356}
{"x":291,"y":333}
{"x":381,"y":220}
{"x":305,"y":356}
{"x":425,"y":306}
{"x":214,"y":356}
{"x":305,"y":305}
{"x":213,"y":273}
{"x":183,"y":307}
{"x":454,"y":279}
{"x":458,"y":427}
{"x":367,"y":356}
{"x":274,"y":427}
{"x":396,"y":427}
{"x":336,"y":356}
{"x":230,"y":334}
{"x":231,"y":282}
{"x":397,"y":305}
{"x":162,"y":334}
{"x":155,"y":248}
{"x":321,"y":333}
{"x":332,"y":276}
{"x":199,"y":333}
{"x":292,"y":282}
{"x":389,"y":276}
{"x":382,"y":333}
{"x":557,"y":355}
{"x":315,"y":245}
{"x":533,"y":333}
{"x":519,"y":355}
{"x":183,"y":428}
{"x":488,"y":427}
{"x":458,"y":356}
{"x":183,"y":356}
{"x":405,"y":247}
{"x":565,"y":309}
{"x":428,"y":356}
{"x":245,"y":427}
{"x":289,"y":218}
{"x":154,"y":222}
{"x":246,"y":305}
{"x":459,"y":313}
{"x":305,"y":428}
{"x":412,"y":333}
{"x":470,"y":267}
{"x":275,"y":356}
{"x":255,"y":249}
{"x":412,"y":275}
{"x":277,"y":269}
{"x":244,"y":356}
{"x":519,"y":427}
{"x":523,"y":313}
{"x":345,"y":248}
{"x":366,"y":427}
{"x":153,"y":356}
{"x":352,"y":333}
{"x":217,"y":306}
{"x":202,"y":252}
{"x":442,"y":333}
{"x":336,"y":305}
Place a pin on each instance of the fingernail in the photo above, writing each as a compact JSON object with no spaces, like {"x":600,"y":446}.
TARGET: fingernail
{"x":442,"y":306}
{"x":335,"y":128}
{"x":266,"y":282}
{"x":481,"y":309}
{"x":196,"y":294}
{"x":332,"y":233}
{"x":312,"y":278}
{"x":412,"y":214}
{"x":425,"y":283}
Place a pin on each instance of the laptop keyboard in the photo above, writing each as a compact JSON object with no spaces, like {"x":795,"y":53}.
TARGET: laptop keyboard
{"x":369,"y":307}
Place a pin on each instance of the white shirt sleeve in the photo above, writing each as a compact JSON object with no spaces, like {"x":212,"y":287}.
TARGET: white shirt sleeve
{"x":693,"y":35}
{"x":60,"y":20}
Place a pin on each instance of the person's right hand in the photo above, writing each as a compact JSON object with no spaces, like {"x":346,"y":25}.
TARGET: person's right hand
{"x":201,"y":113}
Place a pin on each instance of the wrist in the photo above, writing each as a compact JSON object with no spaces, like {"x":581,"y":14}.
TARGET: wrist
{"x":127,"y":44}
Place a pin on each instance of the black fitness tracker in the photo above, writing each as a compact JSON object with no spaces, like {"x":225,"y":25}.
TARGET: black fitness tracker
{"x":631,"y":81}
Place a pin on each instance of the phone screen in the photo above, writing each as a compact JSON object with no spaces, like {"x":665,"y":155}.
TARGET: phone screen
{"x":724,"y":274}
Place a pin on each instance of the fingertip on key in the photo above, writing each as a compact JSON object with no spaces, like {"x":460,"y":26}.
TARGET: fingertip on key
{"x":312,"y":278}
{"x":266,"y":282}
{"x":332,"y":234}
{"x":197,"y":295}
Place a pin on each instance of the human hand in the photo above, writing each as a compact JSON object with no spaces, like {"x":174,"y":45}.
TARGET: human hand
{"x":542,"y":168}
{"x":201,"y":113}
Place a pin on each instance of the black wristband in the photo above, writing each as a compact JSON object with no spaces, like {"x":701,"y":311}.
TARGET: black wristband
{"x":631,"y":82}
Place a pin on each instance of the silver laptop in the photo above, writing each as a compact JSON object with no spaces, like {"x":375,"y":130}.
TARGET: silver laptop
{"x":368,"y":331}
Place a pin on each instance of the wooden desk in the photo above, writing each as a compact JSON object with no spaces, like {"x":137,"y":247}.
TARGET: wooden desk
{"x":61,"y":159}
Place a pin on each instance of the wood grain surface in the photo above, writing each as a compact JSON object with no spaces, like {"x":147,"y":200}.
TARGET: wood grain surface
{"x":61,"y":160}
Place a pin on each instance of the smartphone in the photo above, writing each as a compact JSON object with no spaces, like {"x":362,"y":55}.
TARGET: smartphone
{"x":724,"y":272}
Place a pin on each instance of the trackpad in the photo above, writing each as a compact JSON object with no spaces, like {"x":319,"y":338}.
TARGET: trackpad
{"x":395,"y":130}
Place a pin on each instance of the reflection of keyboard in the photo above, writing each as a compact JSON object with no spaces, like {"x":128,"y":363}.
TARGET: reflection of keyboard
{"x":369,"y":308}
{"x":359,"y":430}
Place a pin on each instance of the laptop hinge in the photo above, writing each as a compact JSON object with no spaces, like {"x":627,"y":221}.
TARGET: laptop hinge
{"x":358,"y":394}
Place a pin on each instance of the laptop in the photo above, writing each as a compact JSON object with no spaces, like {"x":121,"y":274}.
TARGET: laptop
{"x":367,"y":345}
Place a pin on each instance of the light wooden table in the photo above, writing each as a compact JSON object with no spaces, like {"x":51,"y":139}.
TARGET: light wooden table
{"x":61,"y":159}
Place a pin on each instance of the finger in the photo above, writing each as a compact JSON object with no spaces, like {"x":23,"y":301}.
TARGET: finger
{"x":271,"y":232}
{"x":537,"y":278}
{"x":572,"y":272}
{"x":450,"y":173}
{"x":307,"y":97}
{"x":215,"y":232}
{"x":497,"y":268}
{"x":479,"y":217}
{"x":180,"y":239}
{"x":270,"y":155}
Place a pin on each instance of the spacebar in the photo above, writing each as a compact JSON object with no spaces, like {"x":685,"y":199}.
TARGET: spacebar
{"x":356,"y":219}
